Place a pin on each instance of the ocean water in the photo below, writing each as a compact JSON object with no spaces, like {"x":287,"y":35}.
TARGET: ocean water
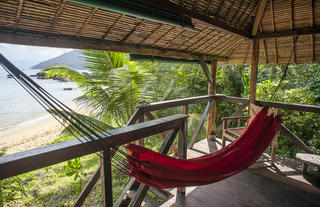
{"x":17,"y":106}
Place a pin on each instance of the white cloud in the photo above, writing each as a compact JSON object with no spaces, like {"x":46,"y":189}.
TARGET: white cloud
{"x":27,"y":56}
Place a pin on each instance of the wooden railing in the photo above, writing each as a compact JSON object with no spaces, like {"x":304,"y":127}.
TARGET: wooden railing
{"x":135,"y":130}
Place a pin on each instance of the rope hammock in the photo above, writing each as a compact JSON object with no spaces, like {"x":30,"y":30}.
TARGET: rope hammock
{"x":162,"y":171}
{"x":155,"y":169}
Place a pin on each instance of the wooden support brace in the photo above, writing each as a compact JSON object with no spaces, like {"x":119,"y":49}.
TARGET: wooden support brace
{"x":205,"y":70}
{"x":201,"y":122}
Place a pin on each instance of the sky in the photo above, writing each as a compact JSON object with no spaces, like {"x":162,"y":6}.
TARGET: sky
{"x":25,"y":57}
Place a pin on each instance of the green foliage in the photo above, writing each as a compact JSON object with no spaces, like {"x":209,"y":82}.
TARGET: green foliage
{"x":73,"y":168}
{"x":10,"y":190}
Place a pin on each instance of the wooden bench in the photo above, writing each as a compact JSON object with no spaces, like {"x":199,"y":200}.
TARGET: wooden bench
{"x":308,"y":159}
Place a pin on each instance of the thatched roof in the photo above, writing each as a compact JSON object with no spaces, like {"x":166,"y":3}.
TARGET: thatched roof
{"x":223,"y":29}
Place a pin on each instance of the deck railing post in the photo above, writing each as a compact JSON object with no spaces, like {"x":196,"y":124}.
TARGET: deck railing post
{"x":182,"y":149}
{"x":106,"y":177}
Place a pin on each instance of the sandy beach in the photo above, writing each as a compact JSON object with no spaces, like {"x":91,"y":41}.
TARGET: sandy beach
{"x":30,"y":135}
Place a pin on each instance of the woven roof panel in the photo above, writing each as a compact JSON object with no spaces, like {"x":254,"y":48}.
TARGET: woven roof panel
{"x":219,"y":28}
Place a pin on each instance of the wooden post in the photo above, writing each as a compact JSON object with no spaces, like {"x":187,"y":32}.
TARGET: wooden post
{"x":106,"y":178}
{"x":254,"y":69}
{"x":182,"y":150}
{"x":212,"y":89}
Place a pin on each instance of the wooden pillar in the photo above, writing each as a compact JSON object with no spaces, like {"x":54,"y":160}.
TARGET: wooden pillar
{"x":212,"y":89}
{"x":254,"y":69}
{"x":182,"y":151}
{"x":106,"y":178}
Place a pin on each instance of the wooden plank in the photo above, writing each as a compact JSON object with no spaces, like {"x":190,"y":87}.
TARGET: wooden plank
{"x":279,"y":105}
{"x":260,"y":11}
{"x":106,"y":178}
{"x":33,"y":38}
{"x":295,"y":139}
{"x":182,"y":152}
{"x":48,"y":155}
{"x":254,"y":69}
{"x":200,"y":124}
{"x":87,"y":188}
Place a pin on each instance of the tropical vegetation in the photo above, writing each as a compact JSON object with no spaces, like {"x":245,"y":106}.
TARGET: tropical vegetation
{"x":114,"y":86}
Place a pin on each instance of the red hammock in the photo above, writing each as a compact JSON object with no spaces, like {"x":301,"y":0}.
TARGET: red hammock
{"x":162,"y":171}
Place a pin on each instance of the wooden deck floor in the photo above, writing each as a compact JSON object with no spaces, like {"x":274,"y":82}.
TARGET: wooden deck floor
{"x":260,"y":185}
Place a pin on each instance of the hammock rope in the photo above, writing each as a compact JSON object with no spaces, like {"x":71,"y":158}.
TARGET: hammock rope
{"x":81,"y":128}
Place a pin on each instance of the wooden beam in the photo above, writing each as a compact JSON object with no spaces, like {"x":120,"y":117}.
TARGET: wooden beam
{"x":289,"y":33}
{"x":204,"y":67}
{"x":93,"y":11}
{"x":56,"y":17}
{"x":260,"y":11}
{"x":132,"y":31}
{"x":212,"y":89}
{"x":67,"y":41}
{"x":48,"y":155}
{"x":214,"y":22}
{"x":254,"y":69}
{"x":112,"y":26}
{"x":178,"y":102}
{"x":18,"y":15}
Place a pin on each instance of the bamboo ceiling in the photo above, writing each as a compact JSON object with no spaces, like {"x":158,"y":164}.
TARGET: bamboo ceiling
{"x":223,"y":29}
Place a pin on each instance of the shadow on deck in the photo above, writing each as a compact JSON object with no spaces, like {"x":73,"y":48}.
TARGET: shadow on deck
{"x":260,"y":185}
